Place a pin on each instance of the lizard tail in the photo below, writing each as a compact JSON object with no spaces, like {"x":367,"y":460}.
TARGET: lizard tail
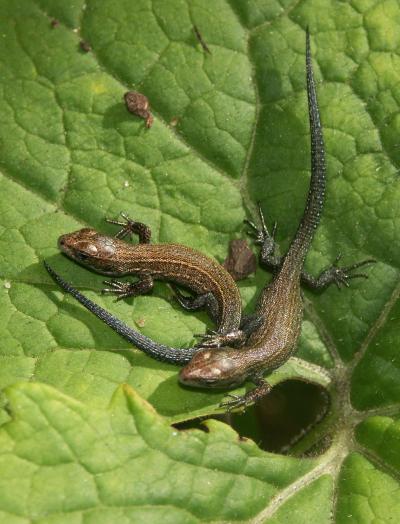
{"x":158,"y":351}
{"x":316,"y":193}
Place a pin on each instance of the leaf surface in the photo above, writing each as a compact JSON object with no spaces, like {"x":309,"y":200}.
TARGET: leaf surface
{"x":230,"y":128}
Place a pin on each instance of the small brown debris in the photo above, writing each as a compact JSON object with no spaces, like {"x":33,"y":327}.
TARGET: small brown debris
{"x":55,"y":23}
{"x":241,"y":261}
{"x":201,"y":40}
{"x":85,"y":46}
{"x":138,"y":104}
{"x":174,"y":121}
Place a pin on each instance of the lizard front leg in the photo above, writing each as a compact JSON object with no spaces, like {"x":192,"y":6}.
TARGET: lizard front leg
{"x":129,"y":289}
{"x":236,"y":401}
{"x":131,"y":227}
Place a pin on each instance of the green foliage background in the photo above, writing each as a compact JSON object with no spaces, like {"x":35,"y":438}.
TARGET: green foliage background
{"x":75,"y":445}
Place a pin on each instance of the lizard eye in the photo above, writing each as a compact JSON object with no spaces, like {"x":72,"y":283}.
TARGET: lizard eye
{"x":81,"y":255}
{"x":89,"y":250}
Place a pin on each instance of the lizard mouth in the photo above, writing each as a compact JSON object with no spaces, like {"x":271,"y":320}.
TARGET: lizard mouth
{"x":193,"y":377}
{"x":74,"y":253}
{"x":64,"y":247}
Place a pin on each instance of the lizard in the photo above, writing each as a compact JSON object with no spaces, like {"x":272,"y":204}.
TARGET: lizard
{"x":214,"y":286}
{"x":280,"y":304}
{"x":164,"y":353}
{"x":273,"y":338}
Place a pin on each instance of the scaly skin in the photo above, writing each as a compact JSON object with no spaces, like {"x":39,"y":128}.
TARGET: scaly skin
{"x":273,"y":336}
{"x":155,"y":350}
{"x":182,"y":265}
{"x":280,"y":305}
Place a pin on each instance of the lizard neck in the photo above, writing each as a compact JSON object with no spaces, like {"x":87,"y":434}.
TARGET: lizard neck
{"x":316,"y":193}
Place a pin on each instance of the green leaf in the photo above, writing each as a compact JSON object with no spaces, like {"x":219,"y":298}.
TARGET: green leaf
{"x":366,"y":493}
{"x":126,"y":463}
{"x":230,"y":128}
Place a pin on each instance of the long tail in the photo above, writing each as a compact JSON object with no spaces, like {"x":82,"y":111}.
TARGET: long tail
{"x":316,"y":193}
{"x":158,"y":351}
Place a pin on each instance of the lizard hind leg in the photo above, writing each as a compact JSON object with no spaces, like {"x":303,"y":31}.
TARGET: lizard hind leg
{"x":196,"y":302}
{"x":266,"y":240}
{"x":211,"y":339}
{"x":250,"y":323}
{"x":339,"y":276}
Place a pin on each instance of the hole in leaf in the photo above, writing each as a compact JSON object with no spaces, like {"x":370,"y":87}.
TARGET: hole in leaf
{"x":284,"y":416}
{"x":280,"y":420}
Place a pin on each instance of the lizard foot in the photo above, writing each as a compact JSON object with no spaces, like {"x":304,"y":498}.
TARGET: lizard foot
{"x":130,"y":227}
{"x":266,"y":239}
{"x":236,"y":401}
{"x":243,"y":401}
{"x":213,"y":339}
{"x":122,"y":289}
{"x":261,"y":234}
{"x":129,"y":289}
{"x":341,"y":275}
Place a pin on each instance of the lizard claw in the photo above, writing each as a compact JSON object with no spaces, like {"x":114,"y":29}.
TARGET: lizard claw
{"x":127,"y":225}
{"x":210,"y":333}
{"x":274,"y":228}
{"x":209,"y":340}
{"x":341,"y":275}
{"x":131,"y":227}
{"x":235,"y":402}
{"x":254,"y":231}
{"x":122,"y":289}
{"x":261,"y":234}
{"x":213,"y":339}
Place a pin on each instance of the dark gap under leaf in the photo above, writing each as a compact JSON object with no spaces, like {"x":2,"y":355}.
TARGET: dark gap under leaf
{"x":281,"y":419}
{"x":284,"y":416}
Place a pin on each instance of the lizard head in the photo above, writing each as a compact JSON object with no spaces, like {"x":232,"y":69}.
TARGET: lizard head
{"x":219,"y":368}
{"x":89,"y":248}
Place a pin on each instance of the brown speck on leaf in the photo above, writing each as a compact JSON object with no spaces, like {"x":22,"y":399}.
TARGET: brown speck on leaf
{"x":174,"y":121}
{"x":85,"y":46}
{"x":138,"y":104}
{"x":141,"y":322}
{"x":149,"y":121}
{"x":55,"y":23}
{"x":241,"y":261}
{"x":201,"y":40}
